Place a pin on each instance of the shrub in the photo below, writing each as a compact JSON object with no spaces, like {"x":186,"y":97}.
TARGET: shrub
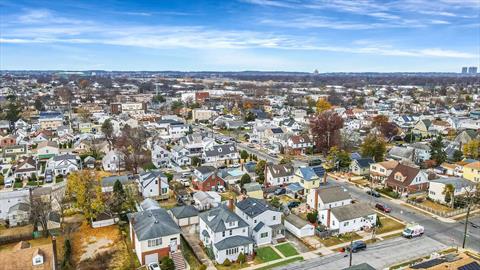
{"x":241,"y":258}
{"x":203,"y":267}
{"x":312,"y":217}
{"x":167,"y":264}
{"x":227,"y":262}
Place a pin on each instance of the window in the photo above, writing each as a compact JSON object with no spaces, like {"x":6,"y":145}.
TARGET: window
{"x":230,"y":232}
{"x":345,"y":224}
{"x":232,"y":251}
{"x":264,"y":235}
{"x":223,"y":234}
{"x":274,"y":217}
{"x":155,"y":242}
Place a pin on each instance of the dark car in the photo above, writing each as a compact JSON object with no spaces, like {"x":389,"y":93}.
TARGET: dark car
{"x":293,"y":204}
{"x":373,"y":193}
{"x":357,"y":246}
{"x":280,"y":191}
{"x":383,"y":207}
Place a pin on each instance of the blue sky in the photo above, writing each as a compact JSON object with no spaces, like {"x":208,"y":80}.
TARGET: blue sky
{"x":288,"y":35}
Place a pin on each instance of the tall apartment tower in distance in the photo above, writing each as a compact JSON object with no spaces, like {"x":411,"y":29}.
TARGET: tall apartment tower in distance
{"x":464,"y":70}
{"x":472,"y":70}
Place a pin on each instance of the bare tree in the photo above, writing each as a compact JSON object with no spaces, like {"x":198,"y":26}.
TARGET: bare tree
{"x":40,"y":211}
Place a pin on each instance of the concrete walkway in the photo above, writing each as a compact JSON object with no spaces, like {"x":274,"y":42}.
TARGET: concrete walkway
{"x":194,"y":242}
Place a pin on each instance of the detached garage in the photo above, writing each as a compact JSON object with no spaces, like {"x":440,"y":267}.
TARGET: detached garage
{"x":184,"y":215}
{"x":298,"y":227}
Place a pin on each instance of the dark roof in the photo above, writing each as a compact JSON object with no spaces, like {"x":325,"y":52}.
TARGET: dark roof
{"x":277,"y":130}
{"x":152,"y":224}
{"x":253,"y":207}
{"x":216,"y":218}
{"x":364,"y":162}
{"x":280,"y":170}
{"x":205,"y":169}
{"x":220,"y":150}
{"x":362,"y":266}
{"x":259,"y":226}
{"x":110,"y":180}
{"x":233,"y":241}
{"x":408,"y":172}
{"x":470,"y":266}
{"x":333,"y":194}
{"x":184,"y":211}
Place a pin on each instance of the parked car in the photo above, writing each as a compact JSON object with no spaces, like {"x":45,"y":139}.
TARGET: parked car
{"x":383,"y":207}
{"x":373,"y":193}
{"x":413,"y":230}
{"x":357,"y":246}
{"x":280,"y":191}
{"x":293,"y":204}
{"x":153,"y":266}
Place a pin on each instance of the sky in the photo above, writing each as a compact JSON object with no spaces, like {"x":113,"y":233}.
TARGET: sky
{"x":236,"y":35}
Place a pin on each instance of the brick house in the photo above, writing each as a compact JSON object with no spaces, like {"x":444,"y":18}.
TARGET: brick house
{"x":207,"y":178}
{"x":406,"y":179}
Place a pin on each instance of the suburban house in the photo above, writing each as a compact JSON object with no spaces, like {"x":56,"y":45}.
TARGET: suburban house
{"x":225,"y":233}
{"x":325,"y":198}
{"x":422,"y":127}
{"x":298,"y":226}
{"x":160,"y":156}
{"x":11,"y":198}
{"x":10,"y":153}
{"x":154,"y":234}
{"x":207,"y":178}
{"x":47,"y":149}
{"x":181,"y":155}
{"x":437,"y":188}
{"x":351,"y":218}
{"x":265,"y":222}
{"x":280,"y":174}
{"x":64,"y":164}
{"x":19,"y":214}
{"x":185,"y":215}
{"x":471,"y":171}
{"x":204,"y":200}
{"x":406,"y":179}
{"x":108,"y":182}
{"x":381,"y":170}
{"x":220,"y":154}
{"x":154,"y":184}
{"x":307,"y":178}
{"x":26,"y":168}
{"x":24,"y":256}
{"x":50,"y":120}
{"x":298,"y":144}
{"x":113,"y":161}
{"x":361,"y":166}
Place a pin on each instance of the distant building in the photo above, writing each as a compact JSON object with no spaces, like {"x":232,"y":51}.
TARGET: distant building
{"x":464,"y":70}
{"x":472,"y":70}
{"x":130,"y":108}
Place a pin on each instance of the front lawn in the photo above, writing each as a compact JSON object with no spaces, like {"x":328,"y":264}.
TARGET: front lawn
{"x":287,"y":249}
{"x":436,"y":206}
{"x":340,"y":239}
{"x":388,"y":224}
{"x":266,"y":254}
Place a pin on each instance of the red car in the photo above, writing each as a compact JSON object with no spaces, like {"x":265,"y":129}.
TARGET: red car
{"x":383,"y":207}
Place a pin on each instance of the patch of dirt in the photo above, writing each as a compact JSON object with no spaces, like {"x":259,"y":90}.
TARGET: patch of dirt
{"x":94,"y":246}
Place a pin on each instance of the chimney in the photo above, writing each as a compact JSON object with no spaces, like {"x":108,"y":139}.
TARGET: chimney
{"x":315,"y":199}
{"x":54,"y":249}
{"x":328,"y":217}
{"x":325,"y":177}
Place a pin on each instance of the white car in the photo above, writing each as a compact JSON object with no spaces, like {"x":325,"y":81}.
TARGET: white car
{"x":154,"y":266}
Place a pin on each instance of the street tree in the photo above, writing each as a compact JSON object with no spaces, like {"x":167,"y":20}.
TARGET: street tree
{"x":325,"y":128}
{"x":374,"y":146}
{"x":437,"y":152}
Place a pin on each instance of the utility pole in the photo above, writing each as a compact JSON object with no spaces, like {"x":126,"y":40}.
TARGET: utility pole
{"x":466,"y":226}
{"x":351,"y":252}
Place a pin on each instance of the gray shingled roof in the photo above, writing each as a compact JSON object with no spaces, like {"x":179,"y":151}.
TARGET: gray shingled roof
{"x":253,"y":207}
{"x":152,"y":224}
{"x":185,"y":211}
{"x":221,"y":150}
{"x":333,"y":194}
{"x":352,"y":211}
{"x":219,"y":216}
{"x":234,"y":241}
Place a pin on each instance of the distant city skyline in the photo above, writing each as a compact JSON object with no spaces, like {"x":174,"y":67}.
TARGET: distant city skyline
{"x":263,"y":35}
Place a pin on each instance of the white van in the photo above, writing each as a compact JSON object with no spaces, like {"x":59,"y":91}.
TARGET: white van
{"x":413,"y":230}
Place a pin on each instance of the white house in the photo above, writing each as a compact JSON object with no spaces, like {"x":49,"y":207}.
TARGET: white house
{"x":437,"y":187}
{"x":204,"y":200}
{"x":265,"y":222}
{"x":328,"y":197}
{"x":351,"y":218}
{"x":26,"y":168}
{"x":279,"y":174}
{"x":64,"y":164}
{"x":219,"y":154}
{"x":113,"y":161}
{"x":160,"y":156}
{"x":298,"y":226}
{"x":47,"y":149}
{"x":19,"y":214}
{"x":154,"y":235}
{"x":10,"y":198}
{"x":225,"y":233}
{"x":153,"y":184}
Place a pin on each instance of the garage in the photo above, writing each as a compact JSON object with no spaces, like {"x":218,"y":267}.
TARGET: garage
{"x":150,"y":258}
{"x":298,"y":227}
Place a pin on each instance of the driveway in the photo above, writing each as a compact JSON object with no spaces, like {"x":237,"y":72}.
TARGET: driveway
{"x":378,"y":255}
{"x":297,"y":243}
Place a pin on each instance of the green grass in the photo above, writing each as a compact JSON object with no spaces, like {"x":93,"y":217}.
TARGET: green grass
{"x":189,"y":256}
{"x":340,"y":239}
{"x":388,"y":224}
{"x":266,"y":254}
{"x":285,"y":262}
{"x":287,"y":249}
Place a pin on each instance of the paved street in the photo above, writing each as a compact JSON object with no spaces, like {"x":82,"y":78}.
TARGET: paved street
{"x":378,"y":255}
{"x":450,"y":234}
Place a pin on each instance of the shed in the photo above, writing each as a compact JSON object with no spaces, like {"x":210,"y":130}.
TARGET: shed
{"x":298,"y":227}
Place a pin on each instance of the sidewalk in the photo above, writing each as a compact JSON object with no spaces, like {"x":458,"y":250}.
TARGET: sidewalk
{"x":442,"y":219}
